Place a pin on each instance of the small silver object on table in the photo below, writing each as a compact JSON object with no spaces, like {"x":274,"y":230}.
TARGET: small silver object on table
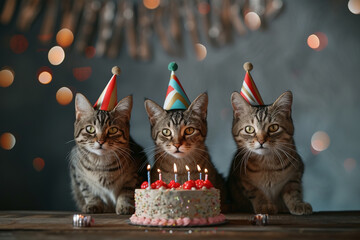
{"x":82,"y":221}
{"x":260,"y":219}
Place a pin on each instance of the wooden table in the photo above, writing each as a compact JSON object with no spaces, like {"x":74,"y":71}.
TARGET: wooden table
{"x":58,"y":225}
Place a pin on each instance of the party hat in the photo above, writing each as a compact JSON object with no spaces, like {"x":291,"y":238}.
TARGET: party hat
{"x":249,"y":90}
{"x":176,"y":97}
{"x":108,"y":98}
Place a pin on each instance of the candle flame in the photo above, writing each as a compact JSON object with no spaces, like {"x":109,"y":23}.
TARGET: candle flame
{"x":175,"y":168}
{"x":198,"y":167}
{"x":205,"y":170}
{"x":159,"y":171}
{"x":187,"y":168}
{"x":148,"y":167}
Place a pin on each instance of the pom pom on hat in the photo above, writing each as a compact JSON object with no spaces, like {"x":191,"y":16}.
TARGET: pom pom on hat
{"x":108,"y":98}
{"x":248,"y":66}
{"x":173,"y":66}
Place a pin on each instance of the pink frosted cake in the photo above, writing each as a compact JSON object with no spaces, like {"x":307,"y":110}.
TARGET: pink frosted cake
{"x":177,"y":207}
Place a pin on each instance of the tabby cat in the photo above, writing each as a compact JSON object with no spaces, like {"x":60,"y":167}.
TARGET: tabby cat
{"x":105,"y":161}
{"x":266,"y":173}
{"x":179,"y":137}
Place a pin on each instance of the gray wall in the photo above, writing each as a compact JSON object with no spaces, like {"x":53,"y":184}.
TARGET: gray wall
{"x":325,"y":85}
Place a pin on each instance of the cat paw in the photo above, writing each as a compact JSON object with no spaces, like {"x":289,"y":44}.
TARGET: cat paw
{"x":301,"y":209}
{"x":91,"y":208}
{"x":267,"y":208}
{"x":124,"y":209}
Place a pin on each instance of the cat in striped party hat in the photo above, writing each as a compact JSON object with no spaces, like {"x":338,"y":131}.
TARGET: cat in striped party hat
{"x":179,"y":130}
{"x":266,"y":173}
{"x":105,"y":162}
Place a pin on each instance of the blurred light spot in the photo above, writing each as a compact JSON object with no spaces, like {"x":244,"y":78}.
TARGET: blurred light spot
{"x":7,"y":141}
{"x":317,"y":41}
{"x":56,"y":55}
{"x":64,"y":37}
{"x":252,"y":20}
{"x":320,"y":141}
{"x":18,"y":43}
{"x":354,"y":6}
{"x":64,"y":96}
{"x":204,"y":8}
{"x":151,"y":4}
{"x":349,"y":164}
{"x":45,"y":77}
{"x":38,"y":164}
{"x":90,"y":52}
{"x":214,"y":31}
{"x":6,"y":77}
{"x":82,"y":73}
{"x":201,"y":51}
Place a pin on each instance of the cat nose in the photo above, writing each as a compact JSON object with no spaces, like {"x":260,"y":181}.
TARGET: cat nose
{"x":177,"y":145}
{"x":261,"y":141}
{"x":101,"y":142}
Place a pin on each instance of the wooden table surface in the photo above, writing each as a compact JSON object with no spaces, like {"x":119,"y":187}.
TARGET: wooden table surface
{"x":58,"y":225}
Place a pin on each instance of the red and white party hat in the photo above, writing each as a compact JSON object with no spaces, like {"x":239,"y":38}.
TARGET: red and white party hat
{"x":176,"y":97}
{"x":249,"y":90}
{"x":108,"y":98}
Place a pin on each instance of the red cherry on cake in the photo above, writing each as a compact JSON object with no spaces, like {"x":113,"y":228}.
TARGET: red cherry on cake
{"x":144,"y":185}
{"x":199,"y":184}
{"x":189,"y":184}
{"x":173,"y":184}
{"x":208,"y":184}
{"x":158,"y":184}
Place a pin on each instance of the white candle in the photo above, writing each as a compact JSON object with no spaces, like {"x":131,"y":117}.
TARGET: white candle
{"x":199,"y":170}
{"x":188,"y":171}
{"x":206,"y":175}
{"x":159,"y":171}
{"x":175,"y":171}
{"x":148,"y":173}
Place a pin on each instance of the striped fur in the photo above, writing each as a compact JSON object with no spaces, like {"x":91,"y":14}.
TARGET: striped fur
{"x":179,"y":147}
{"x":266,"y":173}
{"x":104,"y":165}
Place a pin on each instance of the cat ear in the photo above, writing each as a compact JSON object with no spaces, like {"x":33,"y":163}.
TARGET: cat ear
{"x":239,"y":104}
{"x":283,"y":103}
{"x":153,"y":111}
{"x":82,"y":106}
{"x":124,"y":107}
{"x":199,"y":105}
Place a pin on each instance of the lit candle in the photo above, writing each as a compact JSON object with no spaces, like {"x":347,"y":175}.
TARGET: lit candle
{"x":188,"y":170}
{"x":159,"y":171}
{"x":199,"y":170}
{"x":148,"y":173}
{"x":175,"y":171}
{"x":206,"y":174}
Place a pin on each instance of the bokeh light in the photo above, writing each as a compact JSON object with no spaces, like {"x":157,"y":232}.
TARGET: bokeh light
{"x":252,"y":20}
{"x":320,"y":141}
{"x":354,"y":6}
{"x":317,"y":41}
{"x":204,"y":8}
{"x":349,"y":164}
{"x":90,"y":52}
{"x":64,"y":37}
{"x":45,"y":77}
{"x":151,"y":4}
{"x":56,"y":55}
{"x":18,"y":43}
{"x":201,"y":51}
{"x":82,"y":73}
{"x":7,"y":141}
{"x":6,"y":77}
{"x":38,"y":164}
{"x":64,"y":96}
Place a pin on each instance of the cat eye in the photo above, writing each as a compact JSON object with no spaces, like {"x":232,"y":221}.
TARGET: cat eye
{"x":249,"y":129}
{"x":189,"y":130}
{"x":274,"y":128}
{"x":113,"y":130}
{"x":166,"y":132}
{"x":90,"y":129}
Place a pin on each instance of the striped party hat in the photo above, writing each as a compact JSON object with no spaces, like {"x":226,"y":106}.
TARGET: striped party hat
{"x":249,"y":90}
{"x":176,"y":97}
{"x":108,"y":98}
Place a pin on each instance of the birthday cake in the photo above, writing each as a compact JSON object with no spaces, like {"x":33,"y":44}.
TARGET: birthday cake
{"x":192,"y":204}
